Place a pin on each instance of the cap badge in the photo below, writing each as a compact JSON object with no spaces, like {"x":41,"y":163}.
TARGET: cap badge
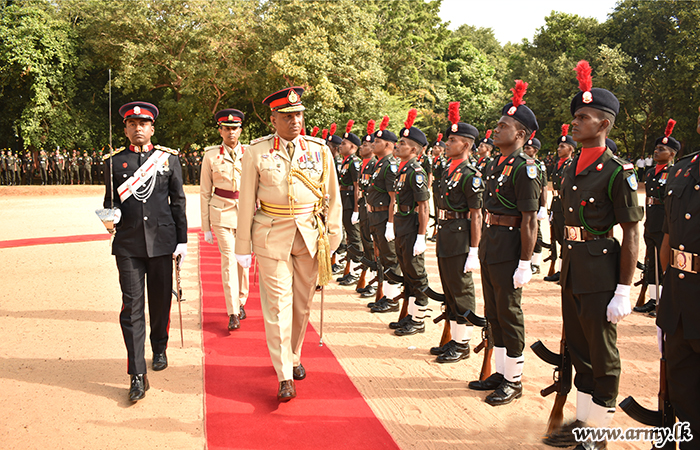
{"x":230,"y":117}
{"x":346,"y":135}
{"x":292,"y":96}
{"x":137,"y":110}
{"x":379,"y":133}
{"x":665,"y":140}
{"x":563,"y":138}
{"x":405,"y":132}
{"x":455,"y":127}
{"x":587,"y":97}
{"x":512,"y":110}
{"x":368,"y":138}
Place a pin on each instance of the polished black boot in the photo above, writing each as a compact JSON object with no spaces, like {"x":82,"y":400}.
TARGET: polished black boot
{"x":488,"y":384}
{"x":139,"y":386}
{"x":455,"y":353}
{"x":506,"y":393}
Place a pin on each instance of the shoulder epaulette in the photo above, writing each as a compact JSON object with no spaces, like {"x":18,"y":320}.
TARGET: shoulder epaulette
{"x":211,"y":147}
{"x":261,"y":139}
{"x":106,"y":157}
{"x":315,"y":139}
{"x":626,"y":165}
{"x":691,"y":155}
{"x":172,"y":151}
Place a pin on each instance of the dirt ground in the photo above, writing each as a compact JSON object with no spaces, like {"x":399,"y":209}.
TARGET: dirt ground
{"x":63,"y":370}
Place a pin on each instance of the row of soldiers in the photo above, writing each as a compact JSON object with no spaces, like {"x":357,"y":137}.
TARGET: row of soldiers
{"x":488,"y":210}
{"x":53,"y":168}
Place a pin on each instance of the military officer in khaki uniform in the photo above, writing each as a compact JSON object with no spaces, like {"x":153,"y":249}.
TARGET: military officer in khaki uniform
{"x":292,"y":177}
{"x":218,"y":190}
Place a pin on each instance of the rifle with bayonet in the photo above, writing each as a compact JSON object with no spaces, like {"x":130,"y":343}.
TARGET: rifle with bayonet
{"x":562,"y":380}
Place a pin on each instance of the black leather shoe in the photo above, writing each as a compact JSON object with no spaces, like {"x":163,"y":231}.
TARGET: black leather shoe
{"x":387,"y":306}
{"x":564,"y":436}
{"x":437,"y":351}
{"x":349,"y":280}
{"x":646,"y":308}
{"x":488,"y":384}
{"x":381,"y":300}
{"x":298,"y":372}
{"x":139,"y":386}
{"x":336,"y":268}
{"x":286,"y":391}
{"x":456,"y":353}
{"x":553,"y":277}
{"x":160,"y":361}
{"x":370,"y":292}
{"x":400,"y":323}
{"x":234,"y":322}
{"x":343,"y":278}
{"x":506,"y":393}
{"x":410,"y":327}
{"x":242,"y":315}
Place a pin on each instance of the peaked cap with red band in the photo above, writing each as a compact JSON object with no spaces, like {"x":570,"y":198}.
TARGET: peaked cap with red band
{"x":517,"y":109}
{"x":597,"y":98}
{"x":229,"y":118}
{"x":286,"y":100}
{"x":139,"y":110}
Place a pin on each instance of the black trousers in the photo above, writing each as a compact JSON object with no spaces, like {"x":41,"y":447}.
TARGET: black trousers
{"x":387,"y":250}
{"x":135,"y":274}
{"x":365,"y":233}
{"x":415,"y":278}
{"x":653,"y":241}
{"x":683,"y":377}
{"x":457,"y":286}
{"x":502,"y":304}
{"x":352,"y":233}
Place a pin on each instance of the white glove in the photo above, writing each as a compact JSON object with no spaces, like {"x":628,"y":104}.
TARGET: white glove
{"x":180,"y":250}
{"x":660,"y":338}
{"x":419,"y":247}
{"x":244,"y":260}
{"x":619,"y":307}
{"x":472,"y":260}
{"x":542,"y":213}
{"x":389,"y":233}
{"x":117,"y":216}
{"x":355,"y":218}
{"x":208,"y":237}
{"x":522,"y":275}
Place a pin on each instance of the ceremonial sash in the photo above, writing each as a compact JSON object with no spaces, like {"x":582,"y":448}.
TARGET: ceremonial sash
{"x":143,"y":174}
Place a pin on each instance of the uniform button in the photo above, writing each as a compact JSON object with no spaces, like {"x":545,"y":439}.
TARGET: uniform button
{"x":510,"y":228}
{"x":681,"y":247}
{"x":490,"y":194}
{"x":574,"y":187}
{"x":591,"y":200}
{"x":124,"y":175}
{"x":605,"y":251}
{"x":488,"y":225}
{"x":681,"y":275}
{"x":459,"y":228}
{"x":697,"y":187}
{"x":670,"y":192}
{"x":571,"y":209}
{"x":145,"y":217}
{"x":687,"y":216}
{"x":569,"y":246}
{"x":144,"y":200}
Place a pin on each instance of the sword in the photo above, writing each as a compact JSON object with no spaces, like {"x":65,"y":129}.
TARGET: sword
{"x":178,"y":294}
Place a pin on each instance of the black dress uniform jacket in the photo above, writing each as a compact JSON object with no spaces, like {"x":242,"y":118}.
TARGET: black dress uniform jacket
{"x":655,"y":185}
{"x":348,"y":174}
{"x":382,"y":182}
{"x":411,"y":188}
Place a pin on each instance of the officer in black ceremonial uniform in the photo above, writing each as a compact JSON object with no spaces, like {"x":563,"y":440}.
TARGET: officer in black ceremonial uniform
{"x":655,"y":180}
{"x":598,"y":191}
{"x":679,"y":309}
{"x":381,"y":197}
{"x":511,"y":200}
{"x":485,"y":148}
{"x":408,"y":223}
{"x":366,"y":171}
{"x":348,"y":178}
{"x":565,"y":151}
{"x":460,"y":194}
{"x":151,"y":229}
{"x":439,"y":164}
{"x":531,"y":147}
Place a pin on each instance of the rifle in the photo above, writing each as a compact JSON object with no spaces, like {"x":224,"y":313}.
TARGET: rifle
{"x":486,"y":343}
{"x":178,"y":294}
{"x":643,"y":282}
{"x":562,"y":380}
{"x":446,"y":330}
{"x":553,"y":254}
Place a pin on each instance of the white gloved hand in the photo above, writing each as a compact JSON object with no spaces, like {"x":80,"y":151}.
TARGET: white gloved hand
{"x":180,"y":250}
{"x":522,"y":275}
{"x":117,"y":216}
{"x":244,"y":260}
{"x":619,"y":307}
{"x":355,"y":218}
{"x":472,"y":260}
{"x":419,"y":247}
{"x":660,"y":338}
{"x":389,"y":233}
{"x":208,"y":237}
{"x":542,"y":213}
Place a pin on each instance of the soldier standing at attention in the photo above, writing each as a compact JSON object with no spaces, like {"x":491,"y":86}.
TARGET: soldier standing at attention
{"x":678,"y":313}
{"x":598,"y":191}
{"x":87,"y":168}
{"x":293,"y":232}
{"x":459,"y":232}
{"x":74,"y":168}
{"x":531,"y":147}
{"x":348,"y":177}
{"x":151,"y":230}
{"x":3,"y":168}
{"x":409,"y":223}
{"x":565,"y":151}
{"x":439,"y":164}
{"x":43,"y":167}
{"x":655,"y":185}
{"x":511,"y":201}
{"x":485,"y":149}
{"x":28,"y":164}
{"x":366,"y":171}
{"x":218,"y":194}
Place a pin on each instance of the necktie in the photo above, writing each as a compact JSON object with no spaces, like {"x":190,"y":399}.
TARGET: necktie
{"x":290,"y":150}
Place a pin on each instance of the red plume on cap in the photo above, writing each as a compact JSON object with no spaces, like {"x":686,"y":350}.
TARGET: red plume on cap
{"x":412,"y":114}
{"x":488,"y":133}
{"x":348,"y":127}
{"x":519,"y":92}
{"x":453,"y":112}
{"x":384,"y":123}
{"x":564,"y":129}
{"x":439,"y":138}
{"x":314,"y":132}
{"x":583,"y":74}
{"x":324,"y":134}
{"x":333,"y":128}
{"x":370,"y":126}
{"x":532,"y":136}
{"x":669,"y":127}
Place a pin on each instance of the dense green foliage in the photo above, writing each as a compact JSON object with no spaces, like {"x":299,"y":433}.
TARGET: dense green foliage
{"x":358,"y":60}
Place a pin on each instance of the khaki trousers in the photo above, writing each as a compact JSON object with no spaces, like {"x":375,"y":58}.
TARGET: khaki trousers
{"x":243,"y":284}
{"x":286,"y":291}
{"x":226,"y":238}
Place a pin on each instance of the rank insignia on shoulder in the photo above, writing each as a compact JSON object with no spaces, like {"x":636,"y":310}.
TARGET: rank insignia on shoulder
{"x":532,"y":172}
{"x":530,"y":161}
{"x":476,"y":182}
{"x":394,"y":168}
{"x":628,"y":166}
{"x":632,"y":181}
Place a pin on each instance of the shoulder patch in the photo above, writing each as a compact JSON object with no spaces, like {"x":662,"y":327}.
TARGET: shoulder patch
{"x":261,"y":139}
{"x":476,"y":182}
{"x":172,"y":151}
{"x":357,"y":165}
{"x":532,"y":171}
{"x":632,"y":181}
{"x":394,"y":168}
{"x":106,"y":157}
{"x":420,"y":178}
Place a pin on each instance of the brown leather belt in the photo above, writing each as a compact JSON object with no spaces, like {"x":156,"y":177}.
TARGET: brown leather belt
{"x":504,"y":221}
{"x":444,"y":214}
{"x":654,"y":201}
{"x":226,"y":194}
{"x":371,"y":208}
{"x":555,"y":192}
{"x":685,"y":261}
{"x":580,"y":234}
{"x":347,"y":188}
{"x":405,"y":208}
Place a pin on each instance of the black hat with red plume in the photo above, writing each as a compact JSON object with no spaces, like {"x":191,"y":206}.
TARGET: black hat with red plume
{"x":438,"y":142}
{"x":352,"y":137}
{"x":410,"y":132}
{"x":517,"y":109}
{"x":533,"y":141}
{"x":385,"y":134}
{"x":597,"y":98}
{"x":459,"y":128}
{"x":667,"y":140}
{"x":369,"y":137}
{"x":565,"y":137}
{"x":333,"y":139}
{"x":487,"y":139}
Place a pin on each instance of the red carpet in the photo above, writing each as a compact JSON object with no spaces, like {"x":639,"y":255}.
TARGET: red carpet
{"x":64,"y":239}
{"x":241,"y":407}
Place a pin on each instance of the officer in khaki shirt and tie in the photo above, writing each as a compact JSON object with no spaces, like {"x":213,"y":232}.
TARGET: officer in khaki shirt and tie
{"x":218,"y":190}
{"x":293,"y":232}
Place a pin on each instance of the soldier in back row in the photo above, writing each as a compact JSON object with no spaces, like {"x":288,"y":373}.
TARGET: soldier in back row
{"x":531,"y":147}
{"x":438,"y":167}
{"x":348,"y":179}
{"x":366,"y":171}
{"x":485,"y":148}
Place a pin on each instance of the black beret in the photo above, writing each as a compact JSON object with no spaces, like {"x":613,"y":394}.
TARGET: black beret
{"x":415,"y":135}
{"x":522,"y":114}
{"x":438,"y":144}
{"x":488,"y":141}
{"x":333,"y":139}
{"x":386,"y":135}
{"x":668,"y":142}
{"x":139,"y":110}
{"x":368,"y":138}
{"x":567,"y":140}
{"x":229,"y":118}
{"x":611,"y":145}
{"x":462,"y":129}
{"x":597,"y":98}
{"x":534,"y":142}
{"x":352,"y":137}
